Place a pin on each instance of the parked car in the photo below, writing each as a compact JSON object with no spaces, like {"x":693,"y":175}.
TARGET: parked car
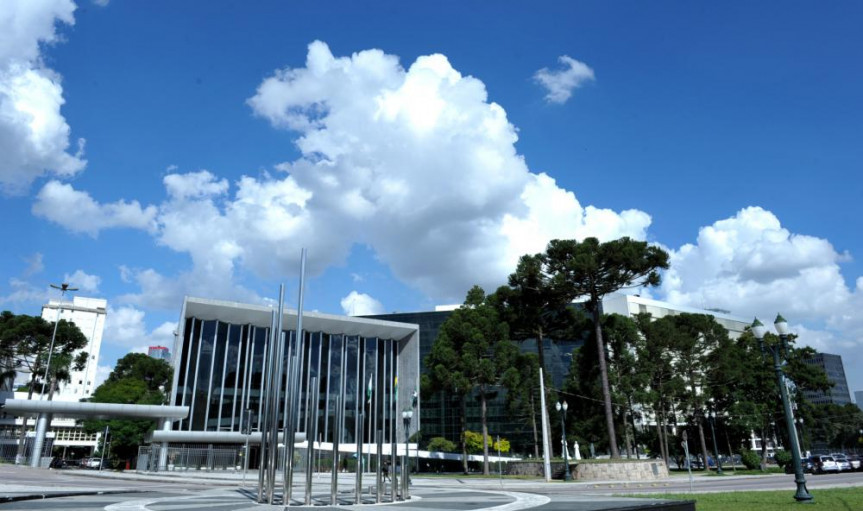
{"x":822,"y":464}
{"x":92,"y":463}
{"x":842,"y":461}
{"x":855,"y":462}
{"x":806,"y":463}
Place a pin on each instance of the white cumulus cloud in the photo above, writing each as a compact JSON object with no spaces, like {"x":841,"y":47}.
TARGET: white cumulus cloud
{"x":85,"y":282}
{"x":751,"y":265}
{"x":79,"y":212}
{"x":559,"y":83}
{"x":126,"y":327}
{"x":361,"y":304}
{"x":34,"y":135}
{"x":416,"y":163}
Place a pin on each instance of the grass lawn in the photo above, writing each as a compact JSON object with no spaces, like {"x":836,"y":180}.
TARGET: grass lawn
{"x":838,"y":499}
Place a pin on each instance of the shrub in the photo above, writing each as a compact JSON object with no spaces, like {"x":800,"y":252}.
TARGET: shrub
{"x":751,"y":459}
{"x":441,"y":444}
{"x":783,"y":458}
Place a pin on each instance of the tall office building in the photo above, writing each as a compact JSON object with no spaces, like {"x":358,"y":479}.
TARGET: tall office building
{"x":160,"y":352}
{"x":838,"y":394}
{"x":89,"y":316}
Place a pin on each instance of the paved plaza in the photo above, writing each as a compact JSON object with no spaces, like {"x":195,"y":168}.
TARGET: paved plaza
{"x":25,"y":488}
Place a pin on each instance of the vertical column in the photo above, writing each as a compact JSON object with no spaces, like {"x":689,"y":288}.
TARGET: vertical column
{"x":311,"y":433}
{"x":163,"y":450}
{"x":359,"y":401}
{"x":293,"y":387}
{"x":39,"y":441}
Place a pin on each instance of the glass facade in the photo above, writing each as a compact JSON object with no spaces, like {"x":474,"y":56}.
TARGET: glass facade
{"x":832,"y":365}
{"x":442,"y":414}
{"x":221,"y":373}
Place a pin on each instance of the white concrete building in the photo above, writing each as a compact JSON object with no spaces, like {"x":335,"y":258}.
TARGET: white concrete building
{"x":89,"y":316}
{"x":631,"y":305}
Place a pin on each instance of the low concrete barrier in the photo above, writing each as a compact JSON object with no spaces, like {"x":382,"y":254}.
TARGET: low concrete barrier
{"x":623,"y":470}
{"x":629,"y":470}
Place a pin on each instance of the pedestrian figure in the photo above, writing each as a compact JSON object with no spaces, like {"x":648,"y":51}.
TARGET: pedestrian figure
{"x":385,"y":469}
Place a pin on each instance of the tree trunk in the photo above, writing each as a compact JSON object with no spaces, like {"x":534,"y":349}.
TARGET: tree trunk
{"x":463,"y":421}
{"x":700,"y":421}
{"x":606,"y":391}
{"x":484,"y":419}
{"x":540,"y":351}
{"x":764,"y":433}
{"x":533,"y":426}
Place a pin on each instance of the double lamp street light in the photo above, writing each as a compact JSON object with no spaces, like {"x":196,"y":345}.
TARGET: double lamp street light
{"x":758,"y":329}
{"x":566,"y":475}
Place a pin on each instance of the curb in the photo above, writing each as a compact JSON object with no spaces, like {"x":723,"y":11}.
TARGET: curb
{"x":43,"y":496}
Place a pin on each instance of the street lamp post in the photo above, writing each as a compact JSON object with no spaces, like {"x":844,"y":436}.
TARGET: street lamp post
{"x":758,"y":329}
{"x":63,"y":288}
{"x":712,"y":417}
{"x":44,"y":418}
{"x":566,"y":475}
{"x":407,"y":415}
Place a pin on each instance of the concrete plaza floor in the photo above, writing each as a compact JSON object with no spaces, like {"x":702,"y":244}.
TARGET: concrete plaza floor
{"x":195,"y":489}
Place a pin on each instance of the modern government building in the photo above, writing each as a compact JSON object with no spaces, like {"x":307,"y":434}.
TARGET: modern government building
{"x":350,"y":371}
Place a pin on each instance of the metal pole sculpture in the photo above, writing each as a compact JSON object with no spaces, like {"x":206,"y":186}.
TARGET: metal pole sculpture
{"x":378,"y":423}
{"x":266,"y":404}
{"x":394,"y":397}
{"x":311,"y":433}
{"x":359,"y":404}
{"x":292,"y":390}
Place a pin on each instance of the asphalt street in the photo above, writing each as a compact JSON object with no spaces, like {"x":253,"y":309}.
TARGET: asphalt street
{"x":89,"y":490}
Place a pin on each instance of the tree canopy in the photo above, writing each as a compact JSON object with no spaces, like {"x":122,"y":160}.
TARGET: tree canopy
{"x":24,"y":345}
{"x":137,"y":379}
{"x":591,"y":270}
{"x":472,"y":353}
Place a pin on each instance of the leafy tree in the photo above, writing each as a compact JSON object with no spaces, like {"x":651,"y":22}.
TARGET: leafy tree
{"x":523,"y":393}
{"x":137,"y":379}
{"x":24,"y":345}
{"x":472,"y":353}
{"x":592,"y":270}
{"x":699,"y":339}
{"x":535,"y":309}
{"x":627,"y":380}
{"x":502,"y":445}
{"x":440,"y":444}
{"x":474,"y":441}
{"x":655,"y":356}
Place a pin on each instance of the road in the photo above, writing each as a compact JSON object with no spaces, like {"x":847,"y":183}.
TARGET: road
{"x":185,"y":494}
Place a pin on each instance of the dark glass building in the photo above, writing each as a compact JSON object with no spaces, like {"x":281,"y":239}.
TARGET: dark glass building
{"x":441,"y":414}
{"x":838,"y":394}
{"x":220,"y":370}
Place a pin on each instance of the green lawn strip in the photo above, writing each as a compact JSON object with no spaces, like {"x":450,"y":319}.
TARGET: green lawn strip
{"x":838,"y":499}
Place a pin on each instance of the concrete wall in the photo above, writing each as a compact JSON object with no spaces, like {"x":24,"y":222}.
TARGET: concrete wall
{"x":647,"y":470}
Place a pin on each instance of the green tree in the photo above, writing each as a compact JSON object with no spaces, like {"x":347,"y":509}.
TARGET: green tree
{"x":472,"y":353}
{"x":591,"y":269}
{"x":137,"y":379}
{"x":522,"y":393}
{"x":655,"y":357}
{"x":535,"y":310}
{"x":24,"y":345}
{"x":697,"y":344}
{"x":440,"y":444}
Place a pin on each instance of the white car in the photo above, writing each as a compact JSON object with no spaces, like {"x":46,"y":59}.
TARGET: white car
{"x":822,"y":464}
{"x":842,"y":461}
{"x":93,"y":463}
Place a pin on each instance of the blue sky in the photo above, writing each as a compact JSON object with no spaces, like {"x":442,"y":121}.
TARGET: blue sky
{"x":154,"y":149}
